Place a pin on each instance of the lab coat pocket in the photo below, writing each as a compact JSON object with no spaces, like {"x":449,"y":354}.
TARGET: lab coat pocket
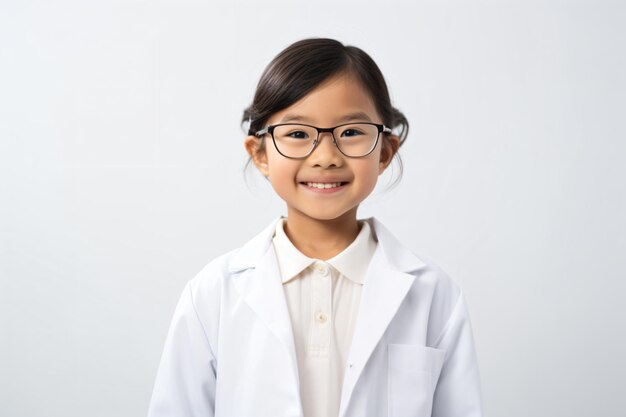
{"x":412,"y":378}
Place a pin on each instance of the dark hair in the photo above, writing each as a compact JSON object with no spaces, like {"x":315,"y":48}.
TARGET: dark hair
{"x":305,"y":64}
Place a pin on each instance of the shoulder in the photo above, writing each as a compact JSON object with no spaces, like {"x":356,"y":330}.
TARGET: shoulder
{"x":406,"y":259}
{"x":215,"y":273}
{"x":445,"y":288}
{"x":209,"y":281}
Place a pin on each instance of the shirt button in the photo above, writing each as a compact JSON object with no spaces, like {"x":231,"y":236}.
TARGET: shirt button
{"x":321,"y":317}
{"x":321,"y":269}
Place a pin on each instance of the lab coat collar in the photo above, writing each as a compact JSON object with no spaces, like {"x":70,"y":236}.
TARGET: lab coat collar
{"x":249,"y":255}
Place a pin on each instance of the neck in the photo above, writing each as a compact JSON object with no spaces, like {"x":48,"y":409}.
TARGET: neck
{"x":318,"y":238}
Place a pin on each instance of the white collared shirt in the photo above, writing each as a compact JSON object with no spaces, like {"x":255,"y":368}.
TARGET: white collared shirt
{"x":323,"y":298}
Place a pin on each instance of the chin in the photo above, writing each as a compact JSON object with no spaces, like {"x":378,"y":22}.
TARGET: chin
{"x":326,"y":215}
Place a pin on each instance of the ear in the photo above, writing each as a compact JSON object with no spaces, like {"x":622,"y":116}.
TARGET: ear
{"x":253,"y":146}
{"x":390,"y":146}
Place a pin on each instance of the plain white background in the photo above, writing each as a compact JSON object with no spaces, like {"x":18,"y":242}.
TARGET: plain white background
{"x":121,"y":176}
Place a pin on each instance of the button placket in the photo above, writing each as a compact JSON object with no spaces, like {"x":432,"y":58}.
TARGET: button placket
{"x":321,"y":298}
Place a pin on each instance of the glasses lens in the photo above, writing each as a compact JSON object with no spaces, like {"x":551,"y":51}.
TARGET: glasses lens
{"x":356,"y":139}
{"x":294,"y":140}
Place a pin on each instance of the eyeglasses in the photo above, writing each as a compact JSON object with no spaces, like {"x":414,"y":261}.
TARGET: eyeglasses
{"x":295,"y":140}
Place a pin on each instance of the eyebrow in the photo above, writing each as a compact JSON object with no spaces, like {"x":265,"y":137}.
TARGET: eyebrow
{"x":348,"y":117}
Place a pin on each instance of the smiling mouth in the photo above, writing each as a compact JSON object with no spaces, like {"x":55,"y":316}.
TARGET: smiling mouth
{"x":324,"y":185}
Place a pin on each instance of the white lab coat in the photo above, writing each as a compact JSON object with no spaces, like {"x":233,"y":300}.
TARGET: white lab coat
{"x":230,"y":350}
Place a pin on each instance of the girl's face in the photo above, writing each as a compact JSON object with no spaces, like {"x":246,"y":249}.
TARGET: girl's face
{"x":325,"y":106}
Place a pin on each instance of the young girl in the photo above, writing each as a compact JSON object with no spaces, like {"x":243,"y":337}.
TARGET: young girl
{"x":321,"y":314}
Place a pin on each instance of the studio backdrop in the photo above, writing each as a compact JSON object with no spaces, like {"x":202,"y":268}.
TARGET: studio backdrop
{"x":121,"y":176}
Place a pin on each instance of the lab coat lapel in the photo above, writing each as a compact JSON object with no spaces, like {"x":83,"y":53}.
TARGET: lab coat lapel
{"x":260,"y":286}
{"x":387,"y":282}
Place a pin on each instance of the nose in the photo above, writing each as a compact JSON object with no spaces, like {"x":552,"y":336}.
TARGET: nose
{"x":326,"y":152}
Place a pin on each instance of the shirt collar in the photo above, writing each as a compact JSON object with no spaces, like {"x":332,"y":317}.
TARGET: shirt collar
{"x":349,"y":262}
{"x":395,"y":254}
{"x":290,"y":260}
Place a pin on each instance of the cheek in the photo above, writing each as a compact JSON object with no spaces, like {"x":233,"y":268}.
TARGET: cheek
{"x":282,"y":170}
{"x":367,"y":173}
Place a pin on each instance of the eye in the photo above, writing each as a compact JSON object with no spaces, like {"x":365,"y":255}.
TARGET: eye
{"x":351,"y":132}
{"x":298,"y":134}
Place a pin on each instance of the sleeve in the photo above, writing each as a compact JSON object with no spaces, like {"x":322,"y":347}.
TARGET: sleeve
{"x":186,"y":377}
{"x":458,"y":391}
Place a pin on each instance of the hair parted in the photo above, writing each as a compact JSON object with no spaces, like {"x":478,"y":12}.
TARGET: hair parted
{"x":307,"y":63}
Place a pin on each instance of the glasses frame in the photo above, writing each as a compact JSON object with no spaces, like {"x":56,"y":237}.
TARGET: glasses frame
{"x":270,"y":129}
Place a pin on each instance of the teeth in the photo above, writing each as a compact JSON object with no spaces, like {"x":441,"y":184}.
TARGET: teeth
{"x":323,"y":185}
